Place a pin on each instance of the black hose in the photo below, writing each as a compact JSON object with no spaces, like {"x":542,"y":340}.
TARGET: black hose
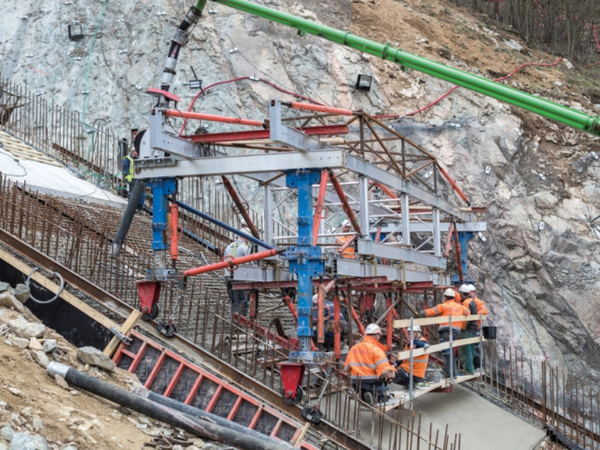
{"x":198,"y":413}
{"x":132,"y":205}
{"x":203,"y":428}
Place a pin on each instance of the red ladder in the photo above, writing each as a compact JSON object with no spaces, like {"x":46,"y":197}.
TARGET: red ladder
{"x":168,"y":374}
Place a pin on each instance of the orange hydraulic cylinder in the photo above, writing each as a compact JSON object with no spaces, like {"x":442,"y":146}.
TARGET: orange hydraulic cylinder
{"x":320,"y":202}
{"x":212,"y":118}
{"x":174,"y":231}
{"x":233,"y":262}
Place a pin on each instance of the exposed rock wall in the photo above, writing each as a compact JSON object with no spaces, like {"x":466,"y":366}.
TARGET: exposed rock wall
{"x":541,"y":281}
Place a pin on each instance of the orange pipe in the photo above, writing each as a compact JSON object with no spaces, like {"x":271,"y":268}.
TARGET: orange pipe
{"x":233,"y":262}
{"x":318,"y":108}
{"x":212,"y":118}
{"x":321,"y":315}
{"x":290,"y":304}
{"x":460,"y":193}
{"x":320,"y":202}
{"x":174,"y":231}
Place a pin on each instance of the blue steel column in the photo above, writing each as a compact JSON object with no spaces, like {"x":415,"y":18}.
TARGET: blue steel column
{"x":161,"y":188}
{"x":305,"y":260}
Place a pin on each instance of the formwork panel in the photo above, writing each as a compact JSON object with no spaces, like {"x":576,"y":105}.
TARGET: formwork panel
{"x":286,"y":432}
{"x":266,"y":423}
{"x":245,"y":413}
{"x":147,"y":363}
{"x":165,"y":375}
{"x":184,"y":385}
{"x":225,"y":403}
{"x":205,"y":393}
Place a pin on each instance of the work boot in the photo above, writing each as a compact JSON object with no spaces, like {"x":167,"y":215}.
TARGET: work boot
{"x":368,"y":397}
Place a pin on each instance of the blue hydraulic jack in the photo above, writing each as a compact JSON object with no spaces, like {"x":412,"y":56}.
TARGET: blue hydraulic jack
{"x":305,"y":261}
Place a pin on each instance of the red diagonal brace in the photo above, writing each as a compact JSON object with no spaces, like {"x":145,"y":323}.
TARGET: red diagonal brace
{"x":345,"y":205}
{"x":320,"y":202}
{"x":240,"y":206}
{"x":233,"y":262}
{"x":460,"y":193}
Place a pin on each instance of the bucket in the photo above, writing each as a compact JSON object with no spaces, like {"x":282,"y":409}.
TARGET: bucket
{"x":489,"y":332}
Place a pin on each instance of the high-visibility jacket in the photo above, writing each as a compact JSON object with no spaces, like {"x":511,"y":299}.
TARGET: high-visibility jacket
{"x":419,"y":362}
{"x":367,"y":360}
{"x":349,"y":251}
{"x":448,"y":308}
{"x":129,"y":168}
{"x":481,"y":309}
{"x":471,"y":327}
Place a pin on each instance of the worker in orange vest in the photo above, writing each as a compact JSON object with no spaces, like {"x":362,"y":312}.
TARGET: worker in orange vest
{"x":481,"y":309}
{"x":369,"y":367}
{"x":349,"y":251}
{"x":448,"y":308}
{"x":469,"y":331}
{"x":419,"y":362}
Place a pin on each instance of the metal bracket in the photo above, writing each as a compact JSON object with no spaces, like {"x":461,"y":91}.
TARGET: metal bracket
{"x":124,"y":339}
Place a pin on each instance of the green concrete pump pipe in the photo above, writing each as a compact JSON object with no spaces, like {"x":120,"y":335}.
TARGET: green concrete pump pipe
{"x":476,"y":83}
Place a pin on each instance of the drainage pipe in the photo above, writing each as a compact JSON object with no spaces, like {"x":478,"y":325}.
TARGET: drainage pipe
{"x":224,"y":225}
{"x":476,"y":83}
{"x":197,"y":413}
{"x":227,"y":434}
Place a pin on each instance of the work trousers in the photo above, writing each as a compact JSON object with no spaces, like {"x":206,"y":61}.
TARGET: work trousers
{"x":448,"y":357}
{"x":376,"y":387}
{"x":466,"y":353}
{"x":239,"y":301}
{"x":403,"y":378}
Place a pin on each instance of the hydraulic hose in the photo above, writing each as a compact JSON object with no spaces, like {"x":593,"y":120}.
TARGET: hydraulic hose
{"x":132,"y":204}
{"x":205,"y":428}
{"x":200,"y":414}
{"x":476,"y":83}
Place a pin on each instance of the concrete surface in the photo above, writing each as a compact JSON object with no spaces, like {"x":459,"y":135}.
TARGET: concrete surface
{"x":482,"y":424}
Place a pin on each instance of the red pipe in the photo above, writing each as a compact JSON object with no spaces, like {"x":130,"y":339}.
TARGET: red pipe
{"x":211,"y":117}
{"x":251,"y":135}
{"x":345,"y":205}
{"x":240,"y":206}
{"x":321,"y":315}
{"x":449,"y":240}
{"x":233,"y":262}
{"x":290,"y":304}
{"x":458,"y":256}
{"x":389,"y":332}
{"x":337,"y":328}
{"x":174,"y":228}
{"x":460,"y":193}
{"x":355,"y":317}
{"x":318,"y":108}
{"x":320,"y":202}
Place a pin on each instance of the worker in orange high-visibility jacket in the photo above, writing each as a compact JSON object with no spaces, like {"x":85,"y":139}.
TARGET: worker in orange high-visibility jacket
{"x":348,"y":251}
{"x":448,"y":308}
{"x":481,"y":309}
{"x":419,"y":362}
{"x":369,"y":367}
{"x":468,"y":331}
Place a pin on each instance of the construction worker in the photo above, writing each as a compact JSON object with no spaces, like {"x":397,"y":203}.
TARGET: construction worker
{"x":481,"y":309}
{"x":329,"y":323}
{"x":369,"y":367}
{"x":129,"y":174}
{"x":469,"y":331}
{"x":448,"y":308}
{"x":348,"y":251}
{"x":239,"y":298}
{"x":419,"y":362}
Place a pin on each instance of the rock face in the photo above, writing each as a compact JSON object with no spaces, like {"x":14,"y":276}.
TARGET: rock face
{"x":26,"y":329}
{"x":94,"y":357}
{"x":539,"y":267}
{"x":22,"y":441}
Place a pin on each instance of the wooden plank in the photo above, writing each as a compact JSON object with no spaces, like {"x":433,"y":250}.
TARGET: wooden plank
{"x":298,"y":441}
{"x":131,"y":322}
{"x":438,"y":347}
{"x":435,"y":320}
{"x":54,"y":288}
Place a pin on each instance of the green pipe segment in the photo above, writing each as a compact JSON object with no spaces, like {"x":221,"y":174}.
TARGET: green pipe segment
{"x":200,"y":5}
{"x":476,"y":83}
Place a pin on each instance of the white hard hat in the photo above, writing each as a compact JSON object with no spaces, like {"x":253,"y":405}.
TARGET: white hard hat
{"x":315,"y":297}
{"x":415,"y":328}
{"x":449,"y":293}
{"x":346,"y":223}
{"x":471,"y":288}
{"x":373,"y":329}
{"x":464,"y":288}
